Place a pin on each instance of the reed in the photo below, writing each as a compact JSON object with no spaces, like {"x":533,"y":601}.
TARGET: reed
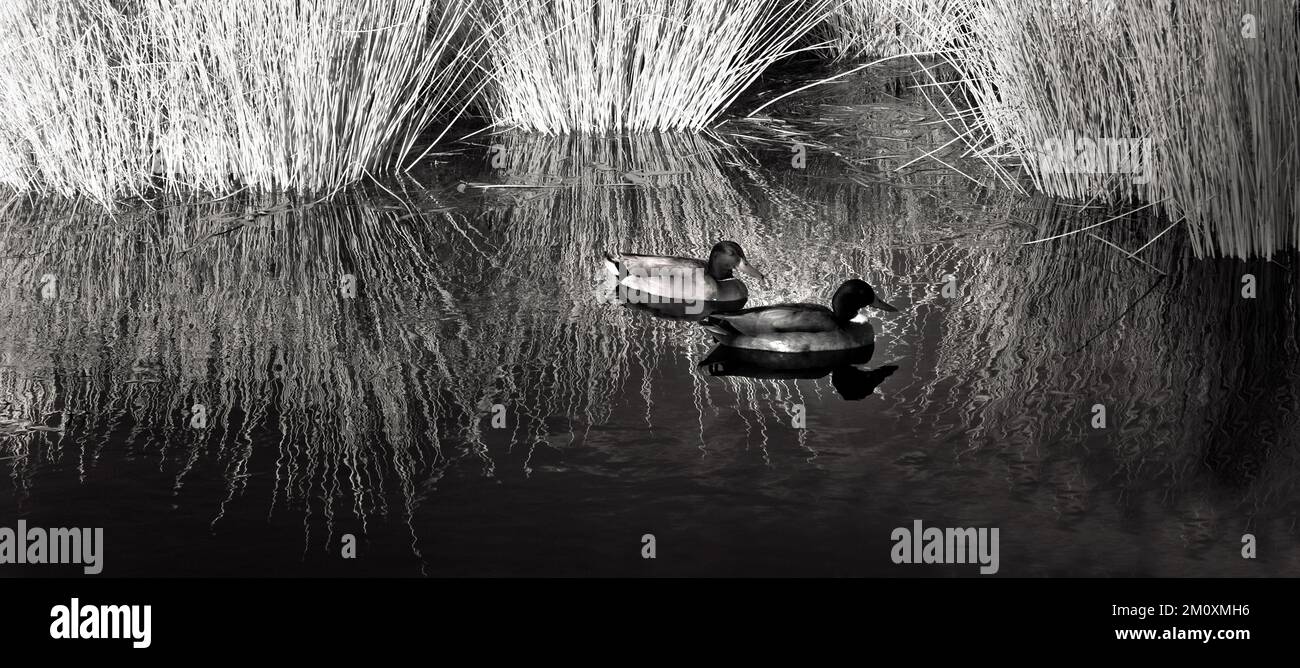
{"x":857,"y":29}
{"x":105,"y":98}
{"x":579,"y":66}
{"x":1212,"y":87}
{"x":1217,"y":106}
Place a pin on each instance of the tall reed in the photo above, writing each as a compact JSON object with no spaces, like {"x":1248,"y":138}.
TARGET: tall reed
{"x":1216,"y":102}
{"x":562,"y":66}
{"x":105,"y":98}
{"x":873,"y":28}
{"x":1213,"y":87}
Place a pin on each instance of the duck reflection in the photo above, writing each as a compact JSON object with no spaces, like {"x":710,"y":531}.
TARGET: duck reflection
{"x":846,"y":367}
{"x":676,"y":310}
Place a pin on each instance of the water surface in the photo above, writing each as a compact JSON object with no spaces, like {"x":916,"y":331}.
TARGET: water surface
{"x":351,"y":355}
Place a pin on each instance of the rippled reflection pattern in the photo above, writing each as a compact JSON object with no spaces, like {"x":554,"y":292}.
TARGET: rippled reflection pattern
{"x":351,"y":360}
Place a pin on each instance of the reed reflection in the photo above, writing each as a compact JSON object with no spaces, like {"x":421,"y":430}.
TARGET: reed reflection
{"x":358,"y":354}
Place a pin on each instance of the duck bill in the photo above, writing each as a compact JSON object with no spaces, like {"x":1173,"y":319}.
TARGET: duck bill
{"x":880,"y":304}
{"x":747,"y":269}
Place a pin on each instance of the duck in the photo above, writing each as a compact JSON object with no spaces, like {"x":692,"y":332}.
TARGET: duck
{"x":801,"y":328}
{"x":685,"y":280}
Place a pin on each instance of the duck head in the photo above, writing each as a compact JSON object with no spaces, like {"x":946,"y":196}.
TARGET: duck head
{"x":853,"y":296}
{"x":727,"y":257}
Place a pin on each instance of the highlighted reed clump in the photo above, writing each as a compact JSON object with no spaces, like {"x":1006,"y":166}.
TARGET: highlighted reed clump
{"x":1208,"y":91}
{"x":1188,"y":105}
{"x":104,"y":98}
{"x":873,"y":28}
{"x":564,"y":66}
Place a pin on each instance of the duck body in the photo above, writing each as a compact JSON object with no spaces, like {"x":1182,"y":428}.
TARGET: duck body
{"x":801,"y":328}
{"x":666,"y":278}
{"x":679,"y":279}
{"x":788,"y":328}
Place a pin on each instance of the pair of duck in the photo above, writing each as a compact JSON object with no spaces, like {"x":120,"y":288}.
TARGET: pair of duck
{"x":779,"y":328}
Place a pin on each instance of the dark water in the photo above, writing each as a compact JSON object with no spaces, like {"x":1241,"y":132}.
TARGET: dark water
{"x":372,"y":414}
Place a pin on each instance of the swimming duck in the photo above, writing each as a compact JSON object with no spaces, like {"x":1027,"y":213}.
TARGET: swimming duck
{"x":801,"y":328}
{"x":682,"y":279}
